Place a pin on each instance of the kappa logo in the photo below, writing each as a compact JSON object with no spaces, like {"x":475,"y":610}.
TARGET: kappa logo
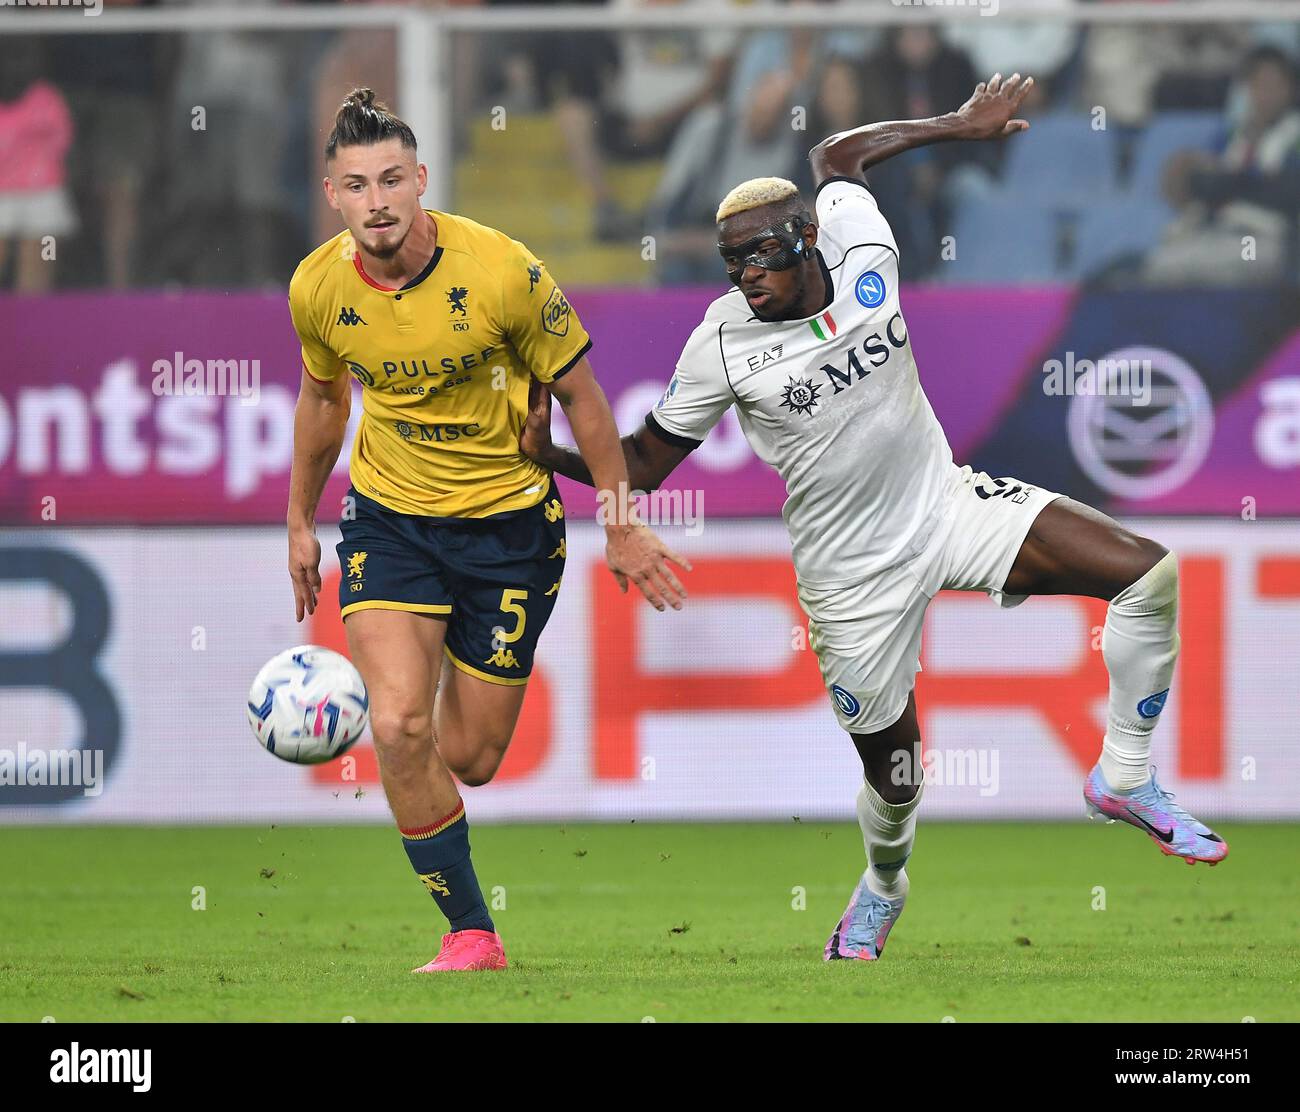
{"x":348,"y":315}
{"x":534,"y":276}
{"x":456,"y":299}
{"x":800,"y":396}
{"x":503,"y":658}
{"x":870,"y":289}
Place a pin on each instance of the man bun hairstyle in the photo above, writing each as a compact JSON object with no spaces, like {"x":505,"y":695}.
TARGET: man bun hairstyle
{"x":362,"y":121}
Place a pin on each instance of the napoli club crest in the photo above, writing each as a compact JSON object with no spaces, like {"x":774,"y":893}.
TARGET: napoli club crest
{"x":870,"y":289}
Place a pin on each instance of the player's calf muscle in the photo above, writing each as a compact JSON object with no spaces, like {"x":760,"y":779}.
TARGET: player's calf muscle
{"x":480,"y":769}
{"x":474,"y":724}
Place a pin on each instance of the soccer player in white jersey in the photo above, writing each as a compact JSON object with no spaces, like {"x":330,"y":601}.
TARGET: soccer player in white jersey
{"x":812,"y":349}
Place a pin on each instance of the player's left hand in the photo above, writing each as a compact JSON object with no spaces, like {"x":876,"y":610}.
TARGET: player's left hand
{"x":990,"y":111}
{"x":535,"y":436}
{"x":634,"y":553}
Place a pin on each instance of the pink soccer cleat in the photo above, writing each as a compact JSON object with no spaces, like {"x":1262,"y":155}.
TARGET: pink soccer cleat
{"x":467,"y":950}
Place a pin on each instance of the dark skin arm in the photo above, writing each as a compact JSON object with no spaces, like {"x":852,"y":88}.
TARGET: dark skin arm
{"x":988,"y":114}
{"x":634,"y":553}
{"x":650,"y":459}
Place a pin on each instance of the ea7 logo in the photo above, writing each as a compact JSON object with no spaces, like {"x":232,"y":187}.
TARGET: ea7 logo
{"x":771,"y":355}
{"x":348,"y":315}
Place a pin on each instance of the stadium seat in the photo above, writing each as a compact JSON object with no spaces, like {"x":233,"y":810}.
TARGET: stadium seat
{"x":1111,"y":229}
{"x":553,"y":214}
{"x":1063,"y":158}
{"x":1166,"y":134}
{"x":1004,"y":239}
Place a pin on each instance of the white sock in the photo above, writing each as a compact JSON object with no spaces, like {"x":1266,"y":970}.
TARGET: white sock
{"x":888,"y":830}
{"x":1140,"y":645}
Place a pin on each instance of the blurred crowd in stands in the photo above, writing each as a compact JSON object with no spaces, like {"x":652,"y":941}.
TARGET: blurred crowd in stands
{"x":1163,"y":153}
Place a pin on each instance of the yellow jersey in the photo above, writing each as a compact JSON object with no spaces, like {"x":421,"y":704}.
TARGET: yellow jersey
{"x":444,"y":364}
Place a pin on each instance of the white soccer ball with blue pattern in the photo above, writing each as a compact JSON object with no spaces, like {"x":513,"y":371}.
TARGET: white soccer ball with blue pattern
{"x":308,"y":705}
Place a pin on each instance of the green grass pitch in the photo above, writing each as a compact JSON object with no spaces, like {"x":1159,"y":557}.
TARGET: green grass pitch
{"x":624,"y":922}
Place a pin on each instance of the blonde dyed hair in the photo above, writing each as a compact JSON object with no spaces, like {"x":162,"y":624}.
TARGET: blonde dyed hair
{"x":754,"y":194}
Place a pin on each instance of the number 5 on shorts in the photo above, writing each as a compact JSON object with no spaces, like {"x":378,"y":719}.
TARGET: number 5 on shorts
{"x":510,"y":604}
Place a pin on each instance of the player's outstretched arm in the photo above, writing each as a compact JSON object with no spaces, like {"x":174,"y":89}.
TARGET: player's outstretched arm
{"x":649,"y":459}
{"x":634,"y":553}
{"x":990,"y":113}
{"x":320,"y":421}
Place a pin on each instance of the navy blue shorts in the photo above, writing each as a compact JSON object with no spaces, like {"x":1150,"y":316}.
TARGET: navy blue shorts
{"x":495,"y":579}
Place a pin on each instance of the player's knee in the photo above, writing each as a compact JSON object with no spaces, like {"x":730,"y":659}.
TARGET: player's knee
{"x":1144,"y":555}
{"x":402,"y":738}
{"x":891,"y":764}
{"x":1150,"y":553}
{"x":1153,"y":587}
{"x":890,"y":789}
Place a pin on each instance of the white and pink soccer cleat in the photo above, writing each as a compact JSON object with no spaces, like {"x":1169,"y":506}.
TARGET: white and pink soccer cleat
{"x":1153,"y":811}
{"x":862,"y":930}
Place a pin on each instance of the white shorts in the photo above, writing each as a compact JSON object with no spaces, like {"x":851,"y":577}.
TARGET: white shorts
{"x":867,"y":635}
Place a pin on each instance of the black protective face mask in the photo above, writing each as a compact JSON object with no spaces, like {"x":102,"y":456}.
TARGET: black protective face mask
{"x":790,"y":252}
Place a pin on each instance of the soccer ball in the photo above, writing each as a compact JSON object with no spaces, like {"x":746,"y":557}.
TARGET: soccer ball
{"x":308,"y":705}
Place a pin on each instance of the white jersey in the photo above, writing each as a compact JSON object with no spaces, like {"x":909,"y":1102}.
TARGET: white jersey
{"x":832,"y":402}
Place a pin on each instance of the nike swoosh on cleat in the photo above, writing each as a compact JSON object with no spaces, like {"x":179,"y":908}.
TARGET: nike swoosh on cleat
{"x":1165,"y":836}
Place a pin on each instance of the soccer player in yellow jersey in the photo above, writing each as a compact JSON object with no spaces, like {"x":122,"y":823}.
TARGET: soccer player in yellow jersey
{"x":453,"y":541}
